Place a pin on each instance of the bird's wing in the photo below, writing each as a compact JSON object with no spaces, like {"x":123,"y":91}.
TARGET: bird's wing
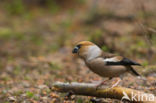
{"x":112,"y":59}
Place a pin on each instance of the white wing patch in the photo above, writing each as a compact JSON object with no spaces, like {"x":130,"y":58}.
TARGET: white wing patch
{"x":114,"y":59}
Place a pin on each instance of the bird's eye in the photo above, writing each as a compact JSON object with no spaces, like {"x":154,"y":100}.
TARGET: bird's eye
{"x":76,"y":48}
{"x":79,"y":46}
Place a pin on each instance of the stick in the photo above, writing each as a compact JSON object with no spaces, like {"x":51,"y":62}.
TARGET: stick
{"x":88,"y":89}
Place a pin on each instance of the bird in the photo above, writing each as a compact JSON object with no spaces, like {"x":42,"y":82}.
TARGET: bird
{"x":104,"y":64}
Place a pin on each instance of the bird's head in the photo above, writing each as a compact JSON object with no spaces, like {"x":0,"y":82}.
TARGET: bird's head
{"x":87,"y":50}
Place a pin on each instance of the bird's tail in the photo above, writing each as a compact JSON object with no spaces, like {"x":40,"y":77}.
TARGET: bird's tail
{"x":136,"y":73}
{"x":133,"y":71}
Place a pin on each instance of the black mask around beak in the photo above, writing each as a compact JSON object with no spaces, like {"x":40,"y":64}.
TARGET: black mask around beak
{"x":75,"y":50}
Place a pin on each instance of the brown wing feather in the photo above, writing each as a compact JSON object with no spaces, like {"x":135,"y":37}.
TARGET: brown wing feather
{"x":108,"y":55}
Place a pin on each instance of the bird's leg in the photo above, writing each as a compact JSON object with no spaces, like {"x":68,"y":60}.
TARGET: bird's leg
{"x":116,"y":82}
{"x":101,"y":83}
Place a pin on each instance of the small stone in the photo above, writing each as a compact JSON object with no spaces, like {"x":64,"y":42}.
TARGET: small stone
{"x":26,"y":84}
{"x":42,"y":86}
{"x":44,"y":98}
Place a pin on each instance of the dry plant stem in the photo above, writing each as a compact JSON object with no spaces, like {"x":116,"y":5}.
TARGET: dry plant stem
{"x":116,"y":82}
{"x":88,"y":89}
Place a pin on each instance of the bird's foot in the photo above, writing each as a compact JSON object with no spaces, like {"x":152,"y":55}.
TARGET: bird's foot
{"x":115,"y":84}
{"x":100,"y":84}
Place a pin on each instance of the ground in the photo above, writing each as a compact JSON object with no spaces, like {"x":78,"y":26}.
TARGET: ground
{"x":36,"y":46}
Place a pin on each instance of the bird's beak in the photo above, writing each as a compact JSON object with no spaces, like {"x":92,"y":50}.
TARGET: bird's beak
{"x":75,"y":50}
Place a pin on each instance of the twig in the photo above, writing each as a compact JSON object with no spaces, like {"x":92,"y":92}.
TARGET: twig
{"x":88,"y":89}
{"x":151,"y":29}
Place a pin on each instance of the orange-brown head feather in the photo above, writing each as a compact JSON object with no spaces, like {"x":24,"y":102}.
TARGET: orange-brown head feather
{"x":85,"y":43}
{"x":87,"y":49}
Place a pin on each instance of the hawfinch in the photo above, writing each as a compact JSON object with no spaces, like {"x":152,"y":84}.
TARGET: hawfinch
{"x":104,"y":64}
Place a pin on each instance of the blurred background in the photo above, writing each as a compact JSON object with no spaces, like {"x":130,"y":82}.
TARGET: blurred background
{"x":37,"y":37}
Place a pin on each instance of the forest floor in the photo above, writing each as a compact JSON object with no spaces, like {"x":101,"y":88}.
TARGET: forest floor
{"x":36,"y":47}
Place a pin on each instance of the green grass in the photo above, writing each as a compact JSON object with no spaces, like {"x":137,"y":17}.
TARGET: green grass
{"x":53,"y":47}
{"x":145,"y":63}
{"x":5,"y":33}
{"x":96,"y":35}
{"x":54,"y":65}
{"x":79,"y":100}
{"x":8,"y":33}
{"x":15,"y":7}
{"x":17,"y":70}
{"x":53,"y":6}
{"x":18,"y":93}
{"x":29,"y":94}
{"x":37,"y":40}
{"x":105,"y":48}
